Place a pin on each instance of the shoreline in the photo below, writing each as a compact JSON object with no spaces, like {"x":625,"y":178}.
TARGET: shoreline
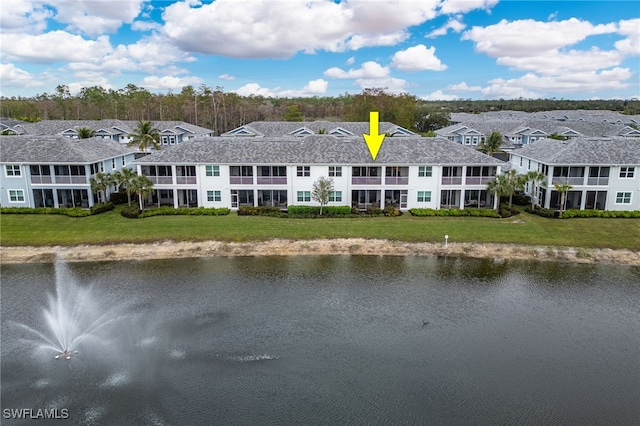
{"x":281,"y":247}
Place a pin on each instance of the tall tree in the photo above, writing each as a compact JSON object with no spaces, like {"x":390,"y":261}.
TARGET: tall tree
{"x":292,"y":113}
{"x":85,"y":133}
{"x":499,"y":187}
{"x":515,"y":182}
{"x":321,"y":191}
{"x":491,"y":145}
{"x":145,"y":135}
{"x":536,"y":178}
{"x":562,"y":188}
{"x":123,"y":178}
{"x":101,"y":183}
{"x":143,"y":187}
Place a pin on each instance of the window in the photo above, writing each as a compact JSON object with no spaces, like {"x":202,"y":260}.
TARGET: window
{"x":303,"y":171}
{"x":424,"y":196}
{"x":213,"y":196}
{"x":123,"y":161}
{"x":424,"y":171}
{"x":16,"y":195}
{"x":529,"y":166}
{"x":335,"y":171}
{"x":520,"y":161}
{"x":13,"y":170}
{"x":113,"y":163}
{"x":304,"y":196}
{"x":335,"y":197}
{"x":212,"y":171}
{"x":627,"y":172}
{"x":623,"y":198}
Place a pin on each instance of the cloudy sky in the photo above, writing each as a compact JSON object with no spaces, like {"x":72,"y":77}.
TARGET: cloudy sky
{"x":434,"y":49}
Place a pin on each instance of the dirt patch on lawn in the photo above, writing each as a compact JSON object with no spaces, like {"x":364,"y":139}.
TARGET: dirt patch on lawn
{"x":276,"y":247}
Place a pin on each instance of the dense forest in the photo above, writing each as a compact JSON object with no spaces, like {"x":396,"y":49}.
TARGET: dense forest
{"x":213,"y":108}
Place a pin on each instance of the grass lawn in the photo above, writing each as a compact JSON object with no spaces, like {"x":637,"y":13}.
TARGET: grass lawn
{"x":111,"y":227}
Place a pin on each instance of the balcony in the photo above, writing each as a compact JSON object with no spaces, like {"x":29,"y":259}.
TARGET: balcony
{"x":478,"y":180}
{"x":451,"y":180}
{"x":186,"y":180}
{"x":40,"y":179}
{"x":272,"y":180}
{"x":366,"y":180}
{"x":161,"y":180}
{"x":573,"y":181}
{"x":396,"y":180}
{"x":71,"y":179}
{"x":241,"y":180}
{"x":597,"y":181}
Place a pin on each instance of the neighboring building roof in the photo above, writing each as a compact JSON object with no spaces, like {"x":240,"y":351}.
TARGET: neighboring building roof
{"x":303,"y":128}
{"x":607,"y":151}
{"x":593,"y":116}
{"x":119,"y":127}
{"x":58,"y":149}
{"x":317,"y":149}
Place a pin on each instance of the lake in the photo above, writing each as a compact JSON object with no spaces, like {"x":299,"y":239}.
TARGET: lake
{"x":313,"y":340}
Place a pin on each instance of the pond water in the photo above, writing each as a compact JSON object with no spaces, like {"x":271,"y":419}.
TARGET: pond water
{"x":327,"y":340}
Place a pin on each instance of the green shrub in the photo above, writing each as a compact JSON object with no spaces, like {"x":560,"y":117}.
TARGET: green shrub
{"x":375,"y":211}
{"x":520,"y":199}
{"x":71,"y":212}
{"x":132,"y":212}
{"x":101,"y":208}
{"x":391,"y":211}
{"x":506,"y":211}
{"x":259,"y":211}
{"x":337,"y":211}
{"x":299,"y":212}
{"x":184,"y":211}
{"x":455,"y":212}
{"x":118,"y":198}
{"x":76,"y":212}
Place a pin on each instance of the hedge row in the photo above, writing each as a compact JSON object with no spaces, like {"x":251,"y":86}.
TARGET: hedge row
{"x":455,"y":212}
{"x":314,"y":211}
{"x":573,"y":213}
{"x":259,"y":211}
{"x":133,"y":212}
{"x":71,"y":212}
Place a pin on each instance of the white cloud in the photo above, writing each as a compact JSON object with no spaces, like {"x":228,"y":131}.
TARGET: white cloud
{"x":557,"y":63}
{"x":52,"y":47}
{"x":461,"y":6}
{"x":438,"y":95}
{"x":312,"y":88}
{"x":417,"y":58}
{"x":146,"y":26}
{"x":528,"y":38}
{"x":368,"y":70}
{"x":226,"y":77}
{"x":389,"y":84}
{"x":96,"y":16}
{"x":454,"y":24}
{"x":264,"y":28}
{"x":24,"y":16}
{"x":463,"y":87}
{"x":169,"y":82}
{"x":631,"y":44}
{"x":12,"y":76}
{"x":351,"y":60}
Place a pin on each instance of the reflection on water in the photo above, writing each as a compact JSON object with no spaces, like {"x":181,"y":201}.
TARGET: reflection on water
{"x":337,"y":340}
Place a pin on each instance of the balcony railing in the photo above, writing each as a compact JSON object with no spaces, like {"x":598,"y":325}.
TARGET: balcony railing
{"x":186,"y":180}
{"x":570,"y":180}
{"x":272,"y":180}
{"x":40,"y":179}
{"x":396,"y":180}
{"x":479,"y":180}
{"x":371,"y":180}
{"x":242,"y":180}
{"x":161,"y":180}
{"x":451,"y":180}
{"x":598,"y":181}
{"x":71,"y":179}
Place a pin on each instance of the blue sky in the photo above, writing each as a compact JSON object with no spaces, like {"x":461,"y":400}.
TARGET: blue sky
{"x":434,"y":49}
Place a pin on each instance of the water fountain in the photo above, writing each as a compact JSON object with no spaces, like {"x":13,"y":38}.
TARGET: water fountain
{"x":73,"y":317}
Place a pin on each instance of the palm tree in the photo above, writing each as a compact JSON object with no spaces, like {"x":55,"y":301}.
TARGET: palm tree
{"x":145,"y":135}
{"x":123,"y":178}
{"x":85,"y":132}
{"x":515,"y":182}
{"x":535,"y":177}
{"x":101,"y":183}
{"x":498,"y":187}
{"x":562,"y":188}
{"x":142,"y":186}
{"x":492,"y":144}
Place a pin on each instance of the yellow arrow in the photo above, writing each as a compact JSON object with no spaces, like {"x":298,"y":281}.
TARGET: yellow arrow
{"x":373,"y":139}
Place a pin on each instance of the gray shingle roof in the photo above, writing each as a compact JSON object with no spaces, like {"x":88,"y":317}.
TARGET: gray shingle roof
{"x":54,"y":127}
{"x":318,"y":149}
{"x":58,"y":149}
{"x":283,"y":128}
{"x":605,"y":151}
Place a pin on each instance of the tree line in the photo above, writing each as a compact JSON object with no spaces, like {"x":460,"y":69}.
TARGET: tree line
{"x":221,"y":111}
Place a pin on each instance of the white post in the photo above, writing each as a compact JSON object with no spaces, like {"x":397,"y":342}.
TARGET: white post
{"x":446,"y":240}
